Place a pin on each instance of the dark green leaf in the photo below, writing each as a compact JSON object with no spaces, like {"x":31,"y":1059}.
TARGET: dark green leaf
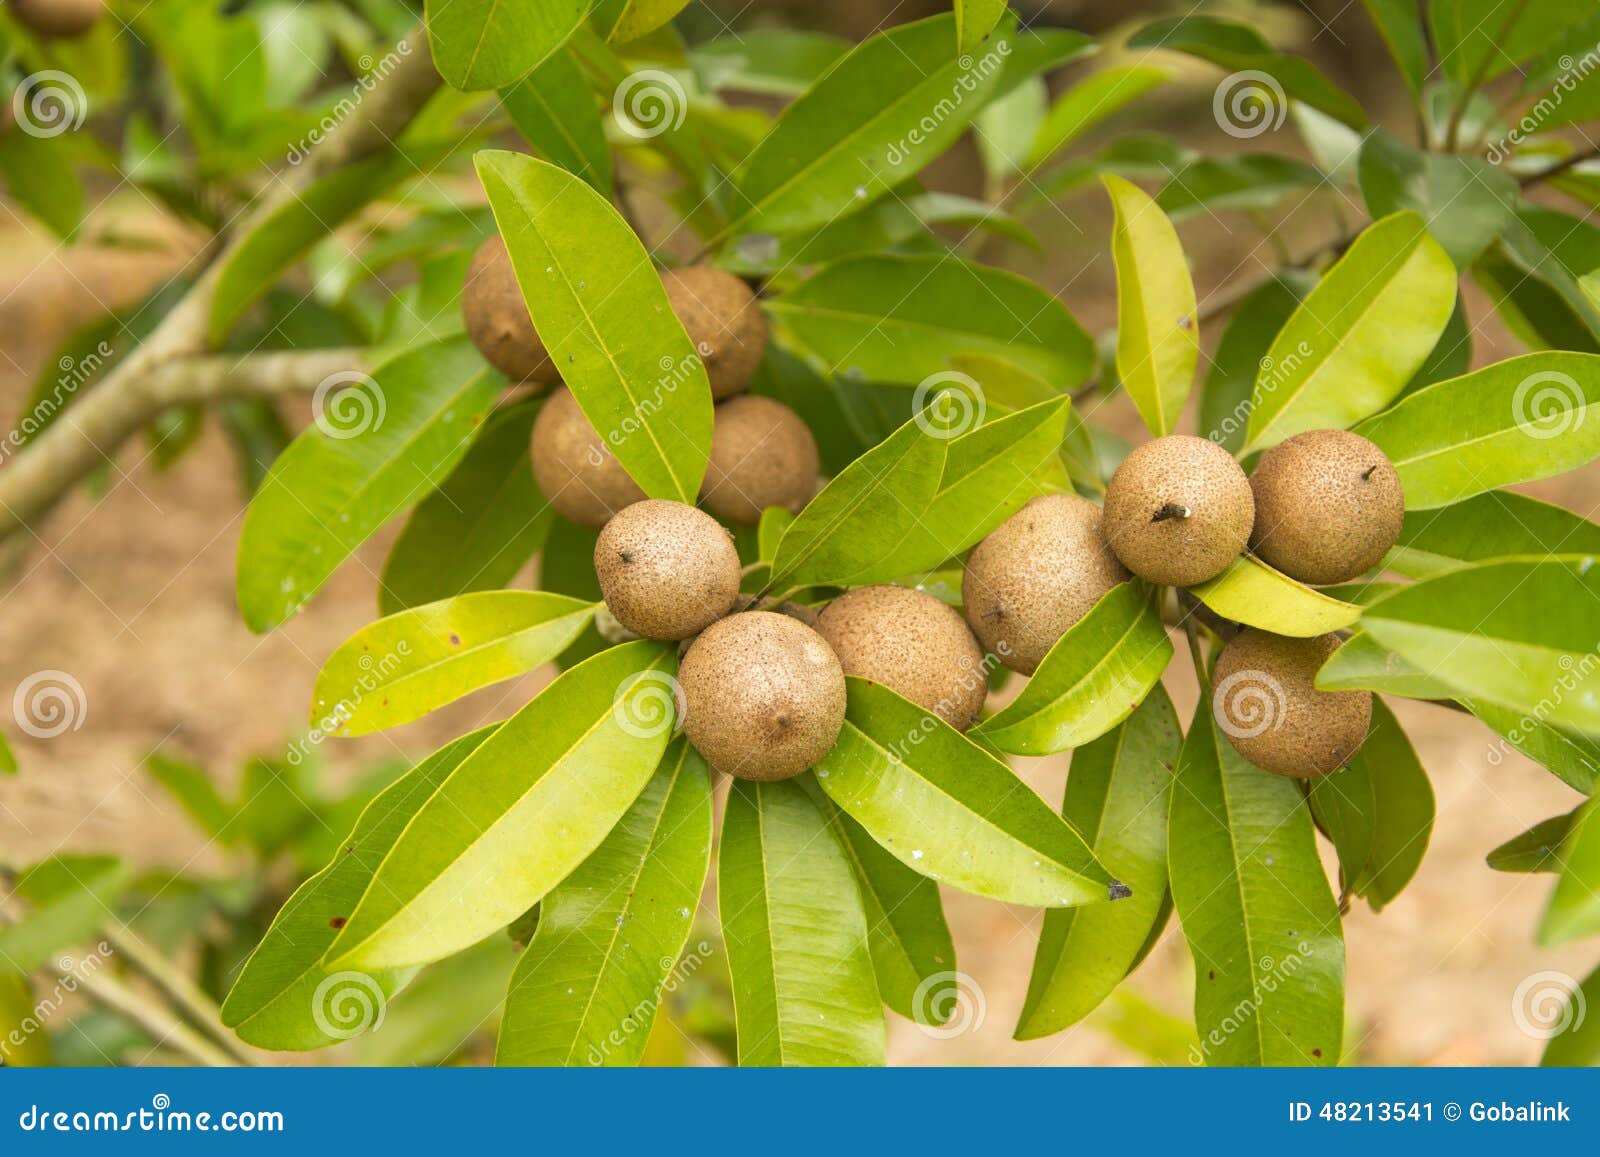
{"x":1465,"y":201}
{"x":555,"y":108}
{"x":1238,"y":358}
{"x":480,"y":44}
{"x":1495,"y":524}
{"x":1574,"y":909}
{"x":1536,"y":850}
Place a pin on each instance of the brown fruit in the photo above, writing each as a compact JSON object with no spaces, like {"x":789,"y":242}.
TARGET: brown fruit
{"x":763,"y":694}
{"x":1328,"y":506}
{"x":575,"y":468}
{"x":666,"y":570}
{"x":497,"y":318}
{"x":723,"y":319}
{"x":64,"y":18}
{"x":762,"y":455}
{"x":1178,"y":510}
{"x":1266,"y":702}
{"x":914,"y":644}
{"x":1036,"y":574}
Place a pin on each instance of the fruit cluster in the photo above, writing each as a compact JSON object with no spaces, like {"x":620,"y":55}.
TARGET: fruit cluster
{"x":763,"y":689}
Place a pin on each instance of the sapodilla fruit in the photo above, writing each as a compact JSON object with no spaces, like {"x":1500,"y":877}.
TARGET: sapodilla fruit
{"x":574,"y":466}
{"x":914,"y":644}
{"x":58,"y":18}
{"x":666,"y":569}
{"x":723,"y":319}
{"x":1328,"y":506}
{"x":1036,"y":574}
{"x":1178,"y":510}
{"x":497,"y":318}
{"x":763,"y":696}
{"x":1266,"y":702}
{"x":762,"y":455}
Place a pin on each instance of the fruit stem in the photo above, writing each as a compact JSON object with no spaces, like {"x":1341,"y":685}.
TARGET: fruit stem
{"x":1171,"y":510}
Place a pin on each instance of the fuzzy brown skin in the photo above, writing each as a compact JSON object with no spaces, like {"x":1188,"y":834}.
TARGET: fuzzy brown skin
{"x":914,"y":644}
{"x":497,"y":318}
{"x":1036,"y":574}
{"x":1328,"y":506}
{"x":575,"y":468}
{"x":63,"y":18}
{"x":1178,"y":510}
{"x":762,"y":455}
{"x":764,"y":696}
{"x":723,"y":319}
{"x":1266,"y":702}
{"x":666,"y":570}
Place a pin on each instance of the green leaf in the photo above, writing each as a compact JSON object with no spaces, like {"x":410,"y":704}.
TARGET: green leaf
{"x":1252,"y":181}
{"x":285,"y":998}
{"x":1358,"y":337}
{"x":1515,"y":421}
{"x":599,"y":305}
{"x":1378,"y":811}
{"x":866,"y":125}
{"x":1363,"y":664}
{"x":775,"y":522}
{"x":8,"y":758}
{"x":554,"y":107}
{"x":408,"y":664}
{"x":1240,"y":48}
{"x":803,"y":987}
{"x":903,"y":319}
{"x":480,"y":44}
{"x":945,"y":806}
{"x":442,"y":1014}
{"x":1237,"y":360}
{"x":587,"y":988}
{"x":479,"y":528}
{"x":1251,"y":592}
{"x":1573,"y":759}
{"x":1574,"y":909}
{"x":339,"y":481}
{"x":1577,"y":1039}
{"x":1087,"y":103}
{"x":1465,"y":201}
{"x":1256,"y":909}
{"x":774,"y":61}
{"x":1496,"y":524}
{"x":1401,"y":28}
{"x":524,"y":810}
{"x":1117,"y":796}
{"x":1536,"y":850}
{"x":874,"y":502}
{"x":975,"y":19}
{"x":196,"y":794}
{"x":1091,"y":680}
{"x":69,"y":898}
{"x":40,"y":175}
{"x":620,"y":21}
{"x":1514,"y":633}
{"x":1451,"y":356}
{"x":1158,"y":330}
{"x":1477,"y":40}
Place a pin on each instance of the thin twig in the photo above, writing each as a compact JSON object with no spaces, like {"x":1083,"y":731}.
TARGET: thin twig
{"x":169,"y":980}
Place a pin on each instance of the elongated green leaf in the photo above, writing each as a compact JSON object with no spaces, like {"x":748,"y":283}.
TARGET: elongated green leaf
{"x":891,"y":105}
{"x":803,"y":987}
{"x":285,"y":998}
{"x":1496,"y":524}
{"x":1158,"y":331}
{"x":555,"y":108}
{"x":1089,"y":102}
{"x":600,"y":309}
{"x":408,"y":664}
{"x":482,"y":525}
{"x":1255,"y":908}
{"x":1237,"y":360}
{"x":1253,"y":181}
{"x":1363,"y":664}
{"x":1403,"y":33}
{"x":1359,"y":336}
{"x":480,"y":44}
{"x":195,"y":793}
{"x":1574,"y":909}
{"x":1117,"y":796}
{"x":975,"y":19}
{"x":1090,"y":681}
{"x":1451,"y":356}
{"x":381,"y":444}
{"x":68,"y":898}
{"x":1515,"y":421}
{"x":871,"y":505}
{"x":1465,"y":201}
{"x":1577,"y":1032}
{"x":620,"y":21}
{"x":40,"y":176}
{"x":776,"y":61}
{"x":1519,"y":634}
{"x":913,"y":956}
{"x":1573,"y":759}
{"x":587,"y":988}
{"x":1536,"y":850}
{"x":948,"y":808}
{"x":1477,"y":40}
{"x":903,"y":319}
{"x":520,"y":813}
{"x":1251,"y":592}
